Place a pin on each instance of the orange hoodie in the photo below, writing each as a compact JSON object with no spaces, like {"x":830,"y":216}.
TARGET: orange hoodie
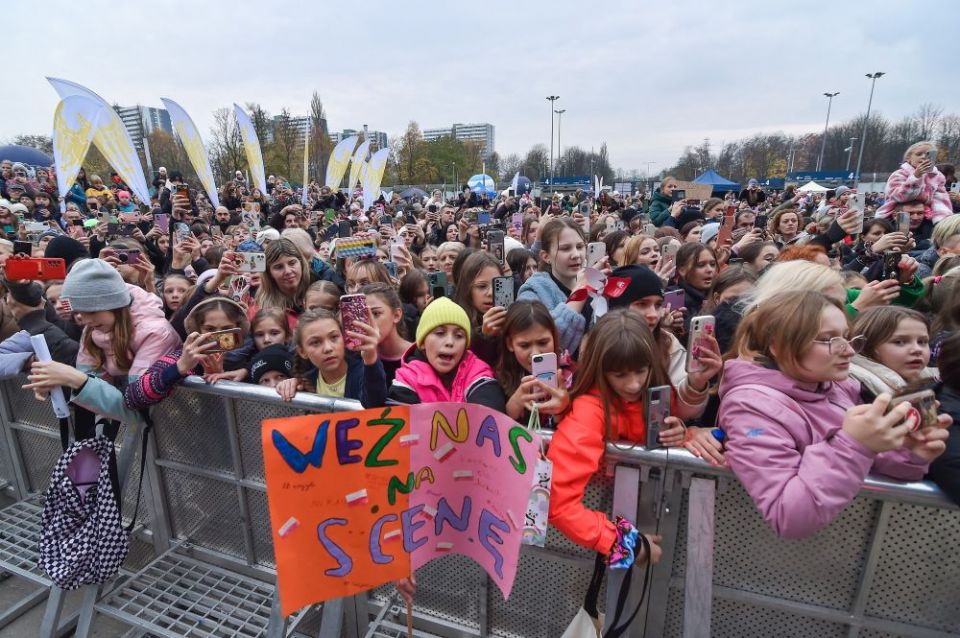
{"x":576,"y":450}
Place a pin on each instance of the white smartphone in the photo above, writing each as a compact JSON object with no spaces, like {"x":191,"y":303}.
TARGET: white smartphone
{"x":596,"y":250}
{"x":503,"y":294}
{"x":544,"y":367}
{"x":251,"y":262}
{"x":700,"y":327}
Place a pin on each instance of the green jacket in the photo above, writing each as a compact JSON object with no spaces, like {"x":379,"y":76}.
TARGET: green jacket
{"x":909,"y":296}
{"x":659,"y":208}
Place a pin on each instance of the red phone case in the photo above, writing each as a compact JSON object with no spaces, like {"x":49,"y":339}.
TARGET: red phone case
{"x":35,"y":268}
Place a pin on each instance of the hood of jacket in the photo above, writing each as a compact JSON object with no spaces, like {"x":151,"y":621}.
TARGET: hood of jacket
{"x":877,"y":378}
{"x":419,"y":376}
{"x":149,"y":323}
{"x":819,"y":400}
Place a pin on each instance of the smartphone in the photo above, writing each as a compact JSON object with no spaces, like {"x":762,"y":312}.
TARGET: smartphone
{"x":35,"y":268}
{"x":649,"y":229}
{"x":129,"y":218}
{"x":891,"y":265}
{"x":22,"y":248}
{"x":495,"y":245}
{"x":596,"y":250}
{"x":353,"y":308}
{"x":226,"y":340}
{"x":391,"y":267}
{"x":932,"y":156}
{"x":251,"y":262}
{"x":924,"y":412}
{"x":517,"y":221}
{"x":760,"y":221}
{"x":657,"y":409}
{"x":903,"y":222}
{"x":126,"y":230}
{"x":437,"y":283}
{"x":726,"y":228}
{"x":621,"y":225}
{"x":857,"y":201}
{"x":700,"y":327}
{"x":585,"y":209}
{"x":544,"y":367}
{"x":183,"y":190}
{"x":386,"y":220}
{"x":113,"y":229}
{"x":79,"y":222}
{"x":676,"y":299}
{"x":503,"y":294}
{"x":127,"y":255}
{"x":678,"y":195}
{"x":162,"y":221}
{"x":670,"y":250}
{"x":343,"y":229}
{"x":35,"y":227}
{"x":483,"y":218}
{"x":183,"y":231}
{"x":329,"y":215}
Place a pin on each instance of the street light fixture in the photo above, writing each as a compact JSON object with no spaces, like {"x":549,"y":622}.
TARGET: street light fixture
{"x":552,"y":99}
{"x":863,"y":134}
{"x":823,"y":144}
{"x":559,"y":125}
{"x":849,"y":151}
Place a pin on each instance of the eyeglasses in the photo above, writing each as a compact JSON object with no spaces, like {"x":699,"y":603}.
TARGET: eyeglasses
{"x":838,"y":345}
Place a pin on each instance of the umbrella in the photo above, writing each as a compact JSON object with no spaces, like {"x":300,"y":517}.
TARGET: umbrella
{"x":410,"y":193}
{"x":482,"y":182}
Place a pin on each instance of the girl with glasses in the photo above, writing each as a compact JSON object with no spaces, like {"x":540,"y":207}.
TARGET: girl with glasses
{"x":798,"y":435}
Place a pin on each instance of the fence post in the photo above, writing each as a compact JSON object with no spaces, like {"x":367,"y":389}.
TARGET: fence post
{"x":626,"y":492}
{"x":698,"y":584}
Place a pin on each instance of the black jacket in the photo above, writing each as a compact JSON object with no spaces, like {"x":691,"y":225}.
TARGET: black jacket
{"x":63,"y":349}
{"x":945,"y":469}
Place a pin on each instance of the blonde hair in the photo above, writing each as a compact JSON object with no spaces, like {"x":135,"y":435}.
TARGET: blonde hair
{"x":792,"y":276}
{"x":301,"y":239}
{"x":918,"y":145}
{"x":944,"y":230}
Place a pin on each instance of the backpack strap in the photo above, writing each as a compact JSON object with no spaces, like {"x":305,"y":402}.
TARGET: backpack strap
{"x":64,"y":433}
{"x":144,"y":438}
{"x":617,"y":631}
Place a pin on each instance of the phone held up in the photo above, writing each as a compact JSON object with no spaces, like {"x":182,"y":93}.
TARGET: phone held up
{"x":657,"y":410}
{"x":700,"y":328}
{"x":353,"y":309}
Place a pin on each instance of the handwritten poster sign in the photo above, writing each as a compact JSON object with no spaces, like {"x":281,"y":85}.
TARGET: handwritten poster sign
{"x":359,"y":499}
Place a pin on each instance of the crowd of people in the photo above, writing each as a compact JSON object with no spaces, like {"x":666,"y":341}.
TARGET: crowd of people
{"x":783,"y":327}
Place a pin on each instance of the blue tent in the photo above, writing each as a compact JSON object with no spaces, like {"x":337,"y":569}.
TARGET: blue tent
{"x":720,"y":184}
{"x":26,"y":155}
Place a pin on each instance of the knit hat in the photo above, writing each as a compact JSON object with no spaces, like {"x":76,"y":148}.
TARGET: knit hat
{"x":643,"y":283}
{"x":841,"y":190}
{"x":753,"y":182}
{"x":66,"y":248}
{"x":709,"y":232}
{"x":442,"y":312}
{"x":275,"y":358}
{"x":93,"y":285}
{"x":29,"y":294}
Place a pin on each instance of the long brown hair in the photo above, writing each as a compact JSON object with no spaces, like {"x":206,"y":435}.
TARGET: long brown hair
{"x":620,"y":341}
{"x":550,"y":235}
{"x":269,"y":295}
{"x":522,"y":315}
{"x":120,"y":340}
{"x":796,"y":316}
{"x":473,"y":265}
{"x":879,"y":324}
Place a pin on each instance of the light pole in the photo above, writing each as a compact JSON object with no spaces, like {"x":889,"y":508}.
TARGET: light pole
{"x":849,"y":151}
{"x":823,"y":144}
{"x":559,"y":124}
{"x":863,"y":133}
{"x":649,"y":181}
{"x":552,"y":99}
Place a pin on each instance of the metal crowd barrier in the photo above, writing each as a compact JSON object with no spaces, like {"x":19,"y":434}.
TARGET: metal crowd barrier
{"x":202,"y":564}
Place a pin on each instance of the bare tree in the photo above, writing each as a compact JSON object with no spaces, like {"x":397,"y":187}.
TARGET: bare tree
{"x":226,"y":145}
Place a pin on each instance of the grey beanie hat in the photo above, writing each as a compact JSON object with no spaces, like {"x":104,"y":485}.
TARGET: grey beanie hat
{"x":93,"y":285}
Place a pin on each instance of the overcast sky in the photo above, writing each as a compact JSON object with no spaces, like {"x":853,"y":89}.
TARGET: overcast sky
{"x":647,"y":78}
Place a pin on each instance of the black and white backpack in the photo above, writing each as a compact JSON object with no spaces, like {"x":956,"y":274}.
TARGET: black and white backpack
{"x":82,"y":539}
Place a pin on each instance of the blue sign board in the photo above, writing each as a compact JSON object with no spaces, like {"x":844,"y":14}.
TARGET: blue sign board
{"x":569,"y":180}
{"x":820,"y":176}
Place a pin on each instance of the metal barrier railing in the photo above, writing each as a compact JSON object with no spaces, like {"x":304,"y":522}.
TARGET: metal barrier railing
{"x":885,"y":567}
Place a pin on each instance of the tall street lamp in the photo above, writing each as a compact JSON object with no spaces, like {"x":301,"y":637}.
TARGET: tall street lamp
{"x":849,"y":151}
{"x":823,"y":144}
{"x":552,"y":99}
{"x":559,"y":126}
{"x":863,"y":133}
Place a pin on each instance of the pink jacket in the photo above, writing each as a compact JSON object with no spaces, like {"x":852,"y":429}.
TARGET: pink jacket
{"x":903,"y":186}
{"x":417,"y":375}
{"x":153,"y":337}
{"x":786,"y":446}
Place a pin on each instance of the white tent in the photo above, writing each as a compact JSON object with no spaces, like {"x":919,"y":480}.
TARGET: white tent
{"x":812,"y":187}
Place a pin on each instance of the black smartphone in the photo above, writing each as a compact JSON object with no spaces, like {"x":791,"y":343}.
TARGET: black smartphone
{"x":343,"y":229}
{"x":437,"y":283}
{"x":386,"y":220}
{"x":22,"y":248}
{"x":657,"y":410}
{"x":760,"y":222}
{"x":891,"y":265}
{"x":678,"y":195}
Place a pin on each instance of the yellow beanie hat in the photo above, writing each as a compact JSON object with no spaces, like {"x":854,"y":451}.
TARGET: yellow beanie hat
{"x":442,"y":312}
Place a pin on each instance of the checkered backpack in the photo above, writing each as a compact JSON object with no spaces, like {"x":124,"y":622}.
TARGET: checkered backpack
{"x":82,"y":540}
